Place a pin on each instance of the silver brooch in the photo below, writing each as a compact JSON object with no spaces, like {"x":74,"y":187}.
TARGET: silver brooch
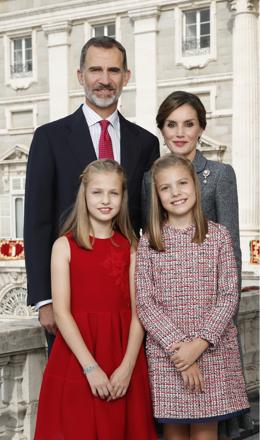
{"x":205,"y":174}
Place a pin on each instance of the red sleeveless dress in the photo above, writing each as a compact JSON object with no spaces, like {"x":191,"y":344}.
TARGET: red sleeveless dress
{"x":100,"y":304}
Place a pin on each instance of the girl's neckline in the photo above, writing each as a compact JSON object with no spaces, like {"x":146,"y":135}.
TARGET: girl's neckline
{"x":102,"y":238}
{"x":180,"y":230}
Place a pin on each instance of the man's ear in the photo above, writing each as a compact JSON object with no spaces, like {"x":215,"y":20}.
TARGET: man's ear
{"x":80,"y":77}
{"x":127,"y":76}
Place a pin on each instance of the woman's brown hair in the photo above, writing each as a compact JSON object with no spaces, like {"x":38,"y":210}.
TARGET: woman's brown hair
{"x":158,"y":216}
{"x":176,"y":100}
{"x":78,"y":223}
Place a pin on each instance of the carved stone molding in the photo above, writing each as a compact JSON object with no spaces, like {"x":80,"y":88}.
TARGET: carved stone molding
{"x":13,"y":304}
{"x":243,"y":6}
{"x":64,"y":26}
{"x":140,"y":14}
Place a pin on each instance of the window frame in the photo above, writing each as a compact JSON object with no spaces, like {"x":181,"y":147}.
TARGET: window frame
{"x":14,"y":195}
{"x":201,"y":58}
{"x":24,"y":72}
{"x":19,"y":81}
{"x":105,"y":26}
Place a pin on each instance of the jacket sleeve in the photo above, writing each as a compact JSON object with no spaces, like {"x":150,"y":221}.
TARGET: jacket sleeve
{"x":153,"y":317}
{"x":226,"y":304}
{"x":39,"y":217}
{"x":227,"y":209}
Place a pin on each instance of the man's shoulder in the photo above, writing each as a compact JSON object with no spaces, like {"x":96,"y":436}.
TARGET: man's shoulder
{"x":62,"y":122}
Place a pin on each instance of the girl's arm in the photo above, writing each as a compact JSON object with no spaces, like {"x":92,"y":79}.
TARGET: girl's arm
{"x":185,"y":353}
{"x":120,"y":378}
{"x":152,"y":315}
{"x":60,"y":283}
{"x":225,"y":307}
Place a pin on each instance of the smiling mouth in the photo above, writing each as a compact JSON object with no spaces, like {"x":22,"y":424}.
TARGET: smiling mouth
{"x":105,"y":210}
{"x":179,"y":202}
{"x":180,"y":143}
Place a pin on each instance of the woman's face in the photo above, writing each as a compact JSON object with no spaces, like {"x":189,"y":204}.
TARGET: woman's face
{"x":181,"y":131}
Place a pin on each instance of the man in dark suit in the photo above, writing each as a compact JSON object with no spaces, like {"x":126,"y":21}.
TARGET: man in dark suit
{"x":59,"y":152}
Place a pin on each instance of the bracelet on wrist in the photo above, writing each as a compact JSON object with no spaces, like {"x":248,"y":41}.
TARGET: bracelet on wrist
{"x":89,"y":369}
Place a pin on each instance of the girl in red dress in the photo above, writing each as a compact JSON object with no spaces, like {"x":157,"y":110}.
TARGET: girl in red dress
{"x":95,"y":385}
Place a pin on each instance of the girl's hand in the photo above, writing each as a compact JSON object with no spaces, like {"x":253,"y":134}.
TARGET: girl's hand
{"x":186,"y":353}
{"x":193,"y":379}
{"x":120,"y":380}
{"x":99,"y":383}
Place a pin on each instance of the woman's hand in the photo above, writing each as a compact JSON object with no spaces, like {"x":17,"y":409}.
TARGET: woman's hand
{"x":120,"y":380}
{"x":99,"y":383}
{"x":193,"y":379}
{"x":186,"y":353}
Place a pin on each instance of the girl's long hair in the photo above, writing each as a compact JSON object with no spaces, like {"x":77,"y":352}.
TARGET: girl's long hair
{"x":78,"y":222}
{"x":158,"y":215}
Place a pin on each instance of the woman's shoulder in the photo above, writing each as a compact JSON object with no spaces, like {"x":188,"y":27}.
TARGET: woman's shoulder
{"x":201,"y":163}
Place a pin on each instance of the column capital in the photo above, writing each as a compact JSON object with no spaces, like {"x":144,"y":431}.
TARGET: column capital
{"x":58,"y":33}
{"x":63,"y":26}
{"x":243,"y":6}
{"x":144,"y":13}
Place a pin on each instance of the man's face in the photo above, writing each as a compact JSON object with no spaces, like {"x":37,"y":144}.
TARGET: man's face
{"x":103,"y":77}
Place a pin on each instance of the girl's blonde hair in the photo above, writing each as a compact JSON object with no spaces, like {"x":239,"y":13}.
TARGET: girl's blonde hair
{"x":78,"y":223}
{"x":158,"y":215}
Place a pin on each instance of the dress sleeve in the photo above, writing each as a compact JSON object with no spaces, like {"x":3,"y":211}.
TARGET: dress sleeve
{"x":154,"y":319}
{"x":227,"y":208}
{"x":227,"y":293}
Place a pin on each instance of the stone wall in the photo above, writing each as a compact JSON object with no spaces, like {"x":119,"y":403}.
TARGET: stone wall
{"x":22,"y":361}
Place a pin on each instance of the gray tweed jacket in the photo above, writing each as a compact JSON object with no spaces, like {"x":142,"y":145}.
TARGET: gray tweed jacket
{"x":218,"y":197}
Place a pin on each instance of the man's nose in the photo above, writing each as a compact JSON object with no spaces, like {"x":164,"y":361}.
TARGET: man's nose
{"x":105,"y":77}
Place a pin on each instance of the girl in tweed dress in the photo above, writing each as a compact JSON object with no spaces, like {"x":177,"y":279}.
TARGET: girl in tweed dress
{"x":187,"y":294}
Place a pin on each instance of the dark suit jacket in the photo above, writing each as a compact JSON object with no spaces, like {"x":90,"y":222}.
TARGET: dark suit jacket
{"x":59,"y":152}
{"x":218,"y":197}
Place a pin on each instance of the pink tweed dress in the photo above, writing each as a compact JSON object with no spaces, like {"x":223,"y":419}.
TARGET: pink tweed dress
{"x":189,"y":291}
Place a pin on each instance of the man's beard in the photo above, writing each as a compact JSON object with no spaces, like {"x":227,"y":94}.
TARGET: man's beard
{"x":101,"y":102}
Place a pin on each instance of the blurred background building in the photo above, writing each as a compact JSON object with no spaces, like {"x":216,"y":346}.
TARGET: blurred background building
{"x":208,"y":47}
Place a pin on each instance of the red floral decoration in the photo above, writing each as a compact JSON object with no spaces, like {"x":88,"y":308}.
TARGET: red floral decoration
{"x":11,"y":249}
{"x":255,"y":251}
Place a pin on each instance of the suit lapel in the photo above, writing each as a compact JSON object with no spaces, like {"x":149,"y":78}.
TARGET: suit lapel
{"x":128,"y":146}
{"x":80,"y":140}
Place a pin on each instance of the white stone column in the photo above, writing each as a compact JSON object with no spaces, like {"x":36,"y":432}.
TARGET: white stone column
{"x":58,"y":56}
{"x":145,"y":34}
{"x":245,"y":129}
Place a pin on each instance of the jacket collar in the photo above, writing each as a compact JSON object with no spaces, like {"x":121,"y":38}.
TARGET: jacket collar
{"x":199,"y":162}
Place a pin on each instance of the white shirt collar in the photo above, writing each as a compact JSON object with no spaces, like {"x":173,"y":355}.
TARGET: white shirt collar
{"x":93,"y":118}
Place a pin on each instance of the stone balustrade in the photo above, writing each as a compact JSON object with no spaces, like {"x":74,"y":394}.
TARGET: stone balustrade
{"x":22,"y":361}
{"x":23,"y":357}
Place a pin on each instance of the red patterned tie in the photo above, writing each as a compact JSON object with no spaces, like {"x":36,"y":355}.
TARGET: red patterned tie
{"x":105,"y":150}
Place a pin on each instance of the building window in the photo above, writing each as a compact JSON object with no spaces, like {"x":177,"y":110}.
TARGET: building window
{"x":21,"y":56}
{"x":18,"y":216}
{"x":108,"y":29}
{"x":196,"y":32}
{"x":17,"y":194}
